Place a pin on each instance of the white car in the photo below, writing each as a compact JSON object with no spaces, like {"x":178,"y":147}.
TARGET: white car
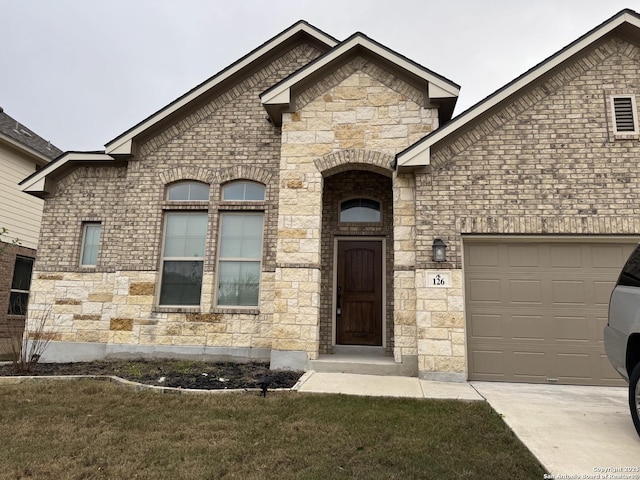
{"x":622,"y":333}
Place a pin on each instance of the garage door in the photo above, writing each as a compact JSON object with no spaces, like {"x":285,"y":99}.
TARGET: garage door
{"x":535,"y":310}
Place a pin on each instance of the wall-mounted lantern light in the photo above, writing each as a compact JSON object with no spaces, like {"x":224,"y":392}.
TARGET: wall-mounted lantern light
{"x":439,"y":250}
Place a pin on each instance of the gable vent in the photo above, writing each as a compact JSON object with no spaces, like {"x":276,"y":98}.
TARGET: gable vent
{"x":623,"y":110}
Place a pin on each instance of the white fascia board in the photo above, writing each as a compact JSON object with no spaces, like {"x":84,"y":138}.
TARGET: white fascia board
{"x":36,"y":183}
{"x":409,"y":156}
{"x":281,"y":95}
{"x":278,"y":97}
{"x":124,"y":143}
{"x":124,"y":148}
{"x":435,"y":91}
{"x":36,"y":186}
{"x":420,"y":159}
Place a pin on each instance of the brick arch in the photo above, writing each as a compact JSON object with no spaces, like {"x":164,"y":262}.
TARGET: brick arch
{"x":187,"y":173}
{"x":355,"y":159}
{"x":245,"y":172}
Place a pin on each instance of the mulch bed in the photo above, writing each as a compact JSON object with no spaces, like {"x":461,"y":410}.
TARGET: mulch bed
{"x":174,"y":373}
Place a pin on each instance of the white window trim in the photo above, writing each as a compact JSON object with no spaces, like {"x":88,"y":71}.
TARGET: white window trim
{"x":83,"y":245}
{"x":235,"y":259}
{"x":624,"y":134}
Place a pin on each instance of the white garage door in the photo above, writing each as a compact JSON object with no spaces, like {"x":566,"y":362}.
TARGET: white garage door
{"x":535,"y":310}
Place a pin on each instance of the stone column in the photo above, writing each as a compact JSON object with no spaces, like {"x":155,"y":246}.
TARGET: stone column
{"x":404,"y":290}
{"x":296,"y":325}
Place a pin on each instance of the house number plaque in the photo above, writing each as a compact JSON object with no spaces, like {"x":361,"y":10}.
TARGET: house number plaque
{"x":438,"y":279}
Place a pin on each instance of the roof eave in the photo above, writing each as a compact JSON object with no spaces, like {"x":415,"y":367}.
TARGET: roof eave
{"x":124,"y":145}
{"x":418,"y":152}
{"x":38,"y":158}
{"x":277,"y":99}
{"x":41,"y":183}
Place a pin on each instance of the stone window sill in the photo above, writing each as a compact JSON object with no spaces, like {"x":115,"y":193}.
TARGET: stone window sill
{"x":231,"y":310}
{"x":193,"y":309}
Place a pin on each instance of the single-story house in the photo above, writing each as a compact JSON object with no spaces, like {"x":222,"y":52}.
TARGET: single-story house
{"x":316,"y":205}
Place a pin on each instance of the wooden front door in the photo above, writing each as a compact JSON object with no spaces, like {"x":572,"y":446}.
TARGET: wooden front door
{"x":359,"y":293}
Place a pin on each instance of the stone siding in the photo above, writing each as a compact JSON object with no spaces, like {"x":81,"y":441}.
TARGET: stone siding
{"x":224,"y":139}
{"x":99,"y":307}
{"x":356,"y":118}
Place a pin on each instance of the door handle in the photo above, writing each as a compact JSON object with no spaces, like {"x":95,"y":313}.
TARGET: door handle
{"x":339,"y":297}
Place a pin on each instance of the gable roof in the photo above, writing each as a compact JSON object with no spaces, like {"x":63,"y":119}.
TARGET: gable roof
{"x":123,"y":144}
{"x":626,"y":22}
{"x":40,"y":182}
{"x":16,"y":134}
{"x":278,"y":98}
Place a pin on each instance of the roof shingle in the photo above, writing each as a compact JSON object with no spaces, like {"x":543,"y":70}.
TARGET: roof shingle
{"x":13,"y":129}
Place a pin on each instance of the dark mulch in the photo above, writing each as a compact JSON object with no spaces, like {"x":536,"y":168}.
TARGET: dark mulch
{"x":174,"y":373}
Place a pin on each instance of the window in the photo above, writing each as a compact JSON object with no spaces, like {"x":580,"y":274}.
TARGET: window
{"x":630,"y":275}
{"x":90,"y":243}
{"x":360,"y":210}
{"x":243,"y":191}
{"x":239,"y":258}
{"x":20,"y":285}
{"x":185,"y":236}
{"x":624,"y":114}
{"x":188,"y":191}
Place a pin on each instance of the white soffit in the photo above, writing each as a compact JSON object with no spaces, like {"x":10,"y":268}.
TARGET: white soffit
{"x":36,"y":183}
{"x":418,"y":154}
{"x":124,"y":143}
{"x":438,"y":88}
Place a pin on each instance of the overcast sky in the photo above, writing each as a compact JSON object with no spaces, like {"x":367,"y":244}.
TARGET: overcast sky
{"x":81,"y":72}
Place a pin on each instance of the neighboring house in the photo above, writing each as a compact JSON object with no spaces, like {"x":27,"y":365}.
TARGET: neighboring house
{"x":295,"y":206}
{"x":22,"y":152}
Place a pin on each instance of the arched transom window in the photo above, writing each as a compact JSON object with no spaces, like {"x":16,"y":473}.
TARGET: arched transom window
{"x":188,"y":191}
{"x":243,"y":191}
{"x":360,"y":210}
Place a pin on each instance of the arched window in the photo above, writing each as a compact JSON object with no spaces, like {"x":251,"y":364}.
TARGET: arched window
{"x":188,"y":191}
{"x":243,"y":191}
{"x":184,"y":245}
{"x":240,"y":245}
{"x":360,"y":210}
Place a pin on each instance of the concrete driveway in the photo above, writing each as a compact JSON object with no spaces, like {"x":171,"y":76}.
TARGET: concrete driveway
{"x":574,"y":431}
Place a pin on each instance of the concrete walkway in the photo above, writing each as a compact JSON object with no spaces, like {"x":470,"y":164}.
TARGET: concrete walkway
{"x":574,"y":431}
{"x":384,"y":386}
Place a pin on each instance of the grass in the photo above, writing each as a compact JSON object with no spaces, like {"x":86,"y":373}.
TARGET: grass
{"x":90,"y":429}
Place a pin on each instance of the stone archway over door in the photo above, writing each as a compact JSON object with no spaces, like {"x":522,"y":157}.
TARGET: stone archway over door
{"x":337,"y":188}
{"x":359,"y":292}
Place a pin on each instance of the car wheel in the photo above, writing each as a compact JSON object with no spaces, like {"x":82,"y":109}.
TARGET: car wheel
{"x":634,"y":396}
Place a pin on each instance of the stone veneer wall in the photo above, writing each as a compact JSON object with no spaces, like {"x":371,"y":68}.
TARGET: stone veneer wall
{"x":117,"y":308}
{"x":115,"y":303}
{"x":545,"y":164}
{"x":358,"y":112}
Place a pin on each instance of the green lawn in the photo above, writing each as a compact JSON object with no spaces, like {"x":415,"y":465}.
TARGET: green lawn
{"x":92,"y":429}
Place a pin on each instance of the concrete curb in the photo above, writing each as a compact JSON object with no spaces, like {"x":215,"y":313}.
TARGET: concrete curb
{"x":302,"y":380}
